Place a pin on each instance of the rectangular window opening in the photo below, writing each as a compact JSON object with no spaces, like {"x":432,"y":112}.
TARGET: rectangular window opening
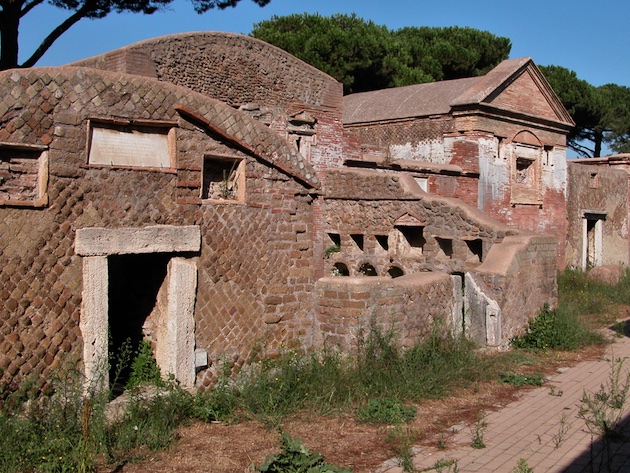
{"x":23,"y":175}
{"x":223,"y":179}
{"x":335,"y":239}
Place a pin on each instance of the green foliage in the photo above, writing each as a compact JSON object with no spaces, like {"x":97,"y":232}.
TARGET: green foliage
{"x":66,"y":431}
{"x":144,"y":369}
{"x":602,"y":411}
{"x":149,"y":423}
{"x":521,"y":379}
{"x":386,"y":411}
{"x":365,"y":56}
{"x":556,"y":329}
{"x":584,"y":300}
{"x":522,"y":467}
{"x":601,"y":114}
{"x":478,"y":431}
{"x":331,"y":250}
{"x":444,"y":466}
{"x":220,"y":403}
{"x":295,"y":458}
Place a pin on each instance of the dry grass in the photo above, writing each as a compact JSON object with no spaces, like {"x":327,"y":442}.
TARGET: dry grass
{"x":219,"y":448}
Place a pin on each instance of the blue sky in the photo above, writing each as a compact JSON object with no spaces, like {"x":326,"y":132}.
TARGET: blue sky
{"x":591,"y":39}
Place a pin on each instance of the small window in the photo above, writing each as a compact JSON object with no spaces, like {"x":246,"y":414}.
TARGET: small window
{"x":524,"y":174}
{"x":23,"y":175}
{"x":593,"y":181}
{"x":223,"y":179}
{"x":335,"y":239}
{"x":423,"y":182}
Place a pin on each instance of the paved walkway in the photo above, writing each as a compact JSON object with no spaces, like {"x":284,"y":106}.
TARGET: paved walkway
{"x":542,"y":428}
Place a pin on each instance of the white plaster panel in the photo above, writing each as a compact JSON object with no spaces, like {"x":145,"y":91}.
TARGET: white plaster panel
{"x":130,"y":148}
{"x":554,"y":170}
{"x":427,"y":151}
{"x":494,"y":172}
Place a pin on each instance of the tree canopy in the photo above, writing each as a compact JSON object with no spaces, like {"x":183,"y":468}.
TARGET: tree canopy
{"x":12,"y":11}
{"x":365,"y":56}
{"x":601,"y":114}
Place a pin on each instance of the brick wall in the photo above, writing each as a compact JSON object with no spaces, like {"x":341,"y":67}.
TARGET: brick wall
{"x":520,"y":275}
{"x":603,"y":190}
{"x":255,"y":269}
{"x":242,"y":71}
{"x":410,"y":306}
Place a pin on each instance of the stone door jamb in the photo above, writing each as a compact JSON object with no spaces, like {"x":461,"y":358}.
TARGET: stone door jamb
{"x":175,"y":349}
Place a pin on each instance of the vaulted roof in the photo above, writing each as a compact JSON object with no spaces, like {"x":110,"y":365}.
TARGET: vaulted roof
{"x":514,"y":86}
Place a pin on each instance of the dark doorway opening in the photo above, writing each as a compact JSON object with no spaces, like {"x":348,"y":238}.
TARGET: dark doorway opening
{"x":134,"y":283}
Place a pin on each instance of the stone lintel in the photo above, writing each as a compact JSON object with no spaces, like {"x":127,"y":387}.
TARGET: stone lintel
{"x":155,"y":239}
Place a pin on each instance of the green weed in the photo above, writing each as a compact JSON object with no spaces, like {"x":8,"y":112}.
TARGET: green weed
{"x":522,"y":467}
{"x":521,"y":379}
{"x":295,"y":458}
{"x":478,"y":431}
{"x":386,"y":411}
{"x":556,"y":329}
{"x":144,"y":369}
{"x":603,"y":410}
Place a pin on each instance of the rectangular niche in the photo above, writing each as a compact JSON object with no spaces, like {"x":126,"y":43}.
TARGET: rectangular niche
{"x":445,"y":246}
{"x":382,"y":243}
{"x":475,"y":250}
{"x":526,"y":178}
{"x":334,"y":239}
{"x":333,"y":245}
{"x":23,"y":175}
{"x":223,"y":178}
{"x":412,"y":241}
{"x":128,"y":143}
{"x":358,"y":240}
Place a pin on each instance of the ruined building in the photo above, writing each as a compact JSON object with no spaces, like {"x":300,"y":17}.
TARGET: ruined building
{"x":222,"y":199}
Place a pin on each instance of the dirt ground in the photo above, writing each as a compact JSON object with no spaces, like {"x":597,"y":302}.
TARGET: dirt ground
{"x":220,"y":448}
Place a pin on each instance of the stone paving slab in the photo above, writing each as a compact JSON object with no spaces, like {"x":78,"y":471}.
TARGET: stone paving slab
{"x":542,"y":427}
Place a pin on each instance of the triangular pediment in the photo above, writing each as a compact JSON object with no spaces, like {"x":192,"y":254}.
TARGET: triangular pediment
{"x":529,"y":94}
{"x":410,"y":219}
{"x":516,"y":86}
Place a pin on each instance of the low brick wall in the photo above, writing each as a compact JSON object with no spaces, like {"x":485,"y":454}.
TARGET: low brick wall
{"x":410,"y":305}
{"x":520,"y":275}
